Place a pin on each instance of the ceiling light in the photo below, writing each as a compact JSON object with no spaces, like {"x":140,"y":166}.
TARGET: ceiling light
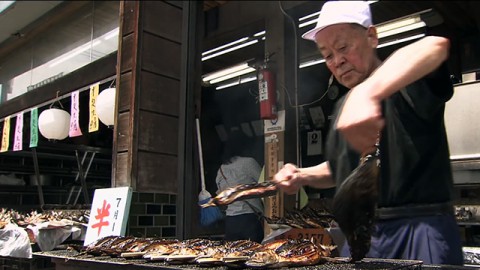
{"x":225,"y":45}
{"x":399,"y":26}
{"x":400,"y":40}
{"x":261,"y":33}
{"x":223,"y":72}
{"x":311,"y":63}
{"x":230,"y":49}
{"x":237,"y":82}
{"x":232,"y":75}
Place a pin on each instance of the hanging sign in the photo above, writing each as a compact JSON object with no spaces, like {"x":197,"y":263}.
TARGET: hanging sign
{"x":74,"y":112}
{"x":93,"y":123}
{"x":18,"y":137}
{"x":5,"y":135}
{"x":34,"y":127}
{"x":109,"y":213}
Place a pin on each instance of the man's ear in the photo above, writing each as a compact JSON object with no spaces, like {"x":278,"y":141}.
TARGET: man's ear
{"x":372,"y":36}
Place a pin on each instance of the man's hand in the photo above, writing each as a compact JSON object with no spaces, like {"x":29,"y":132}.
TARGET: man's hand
{"x":287,"y":179}
{"x":361,"y":120}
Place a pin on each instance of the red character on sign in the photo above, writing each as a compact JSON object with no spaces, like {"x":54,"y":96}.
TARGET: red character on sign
{"x":102,"y":213}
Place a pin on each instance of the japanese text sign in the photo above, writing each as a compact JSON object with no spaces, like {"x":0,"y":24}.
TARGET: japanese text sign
{"x":18,"y":137}
{"x":75,"y":114}
{"x":109,"y":213}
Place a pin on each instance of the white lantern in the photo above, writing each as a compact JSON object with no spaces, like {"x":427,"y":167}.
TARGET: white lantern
{"x":105,"y":106}
{"x":54,"y":124}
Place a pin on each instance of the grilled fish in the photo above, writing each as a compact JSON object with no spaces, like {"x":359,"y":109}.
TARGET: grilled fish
{"x":242,"y":192}
{"x":286,"y":252}
{"x":354,"y":205}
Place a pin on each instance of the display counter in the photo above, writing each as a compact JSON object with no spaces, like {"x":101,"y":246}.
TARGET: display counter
{"x":73,"y":260}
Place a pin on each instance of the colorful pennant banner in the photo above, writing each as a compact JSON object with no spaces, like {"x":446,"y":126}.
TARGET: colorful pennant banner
{"x":5,"y":135}
{"x":18,"y":137}
{"x":34,"y":127}
{"x":74,"y":119}
{"x":93,"y":123}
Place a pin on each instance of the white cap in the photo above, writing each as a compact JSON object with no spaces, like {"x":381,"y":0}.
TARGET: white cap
{"x":335,"y":12}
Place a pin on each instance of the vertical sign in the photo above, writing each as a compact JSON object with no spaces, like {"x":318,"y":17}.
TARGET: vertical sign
{"x":109,"y":213}
{"x":34,"y":127}
{"x":93,"y":123}
{"x":74,"y":111}
{"x":5,"y":135}
{"x":18,"y":137}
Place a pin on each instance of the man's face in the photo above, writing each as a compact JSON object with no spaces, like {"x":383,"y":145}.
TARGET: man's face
{"x":349,"y":52}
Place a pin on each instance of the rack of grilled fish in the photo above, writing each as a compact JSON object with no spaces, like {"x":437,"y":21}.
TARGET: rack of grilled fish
{"x":278,"y":253}
{"x":34,"y":217}
{"x":242,"y":192}
{"x":307,"y":217}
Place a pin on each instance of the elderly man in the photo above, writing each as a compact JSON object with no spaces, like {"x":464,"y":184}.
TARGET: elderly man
{"x":401,"y":101}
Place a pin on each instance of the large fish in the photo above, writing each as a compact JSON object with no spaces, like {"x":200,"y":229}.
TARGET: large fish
{"x":354,"y":205}
{"x":242,"y":192}
{"x":287,"y":252}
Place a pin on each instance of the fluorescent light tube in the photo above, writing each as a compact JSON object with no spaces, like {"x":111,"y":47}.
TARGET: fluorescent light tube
{"x":225,"y":45}
{"x":399,"y":26}
{"x":232,"y":75}
{"x":400,"y":41}
{"x":307,"y":23}
{"x":230,"y":49}
{"x":237,"y":82}
{"x":315,"y":14}
{"x":260,"y":33}
{"x":224,"y":72}
{"x":311,"y":63}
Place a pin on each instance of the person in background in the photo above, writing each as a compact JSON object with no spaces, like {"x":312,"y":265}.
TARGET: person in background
{"x":243,"y":218}
{"x":401,"y":101}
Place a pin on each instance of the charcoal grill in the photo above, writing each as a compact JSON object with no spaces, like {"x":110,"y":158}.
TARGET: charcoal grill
{"x":70,"y":259}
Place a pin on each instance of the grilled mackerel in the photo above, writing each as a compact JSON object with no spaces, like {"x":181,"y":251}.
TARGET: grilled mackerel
{"x":354,"y":206}
{"x":242,"y":192}
{"x":278,"y":253}
{"x":287,"y":252}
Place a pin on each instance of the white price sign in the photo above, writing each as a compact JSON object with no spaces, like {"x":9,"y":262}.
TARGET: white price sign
{"x":109,"y":213}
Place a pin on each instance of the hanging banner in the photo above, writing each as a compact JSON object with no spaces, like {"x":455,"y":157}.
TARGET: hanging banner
{"x":34,"y":127}
{"x":74,"y":112}
{"x":5,"y":135}
{"x":93,"y":123}
{"x":18,"y":137}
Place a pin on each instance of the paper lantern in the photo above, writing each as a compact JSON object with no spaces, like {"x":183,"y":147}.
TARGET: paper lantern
{"x":54,"y":124}
{"x":105,"y":106}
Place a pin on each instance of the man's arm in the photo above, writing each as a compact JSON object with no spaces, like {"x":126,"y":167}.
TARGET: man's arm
{"x":361,"y":118}
{"x":290,"y":178}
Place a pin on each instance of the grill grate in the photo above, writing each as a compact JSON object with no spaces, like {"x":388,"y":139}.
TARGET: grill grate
{"x":366,"y":264}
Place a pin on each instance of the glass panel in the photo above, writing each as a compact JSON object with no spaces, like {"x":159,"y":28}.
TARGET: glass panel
{"x":88,"y":35}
